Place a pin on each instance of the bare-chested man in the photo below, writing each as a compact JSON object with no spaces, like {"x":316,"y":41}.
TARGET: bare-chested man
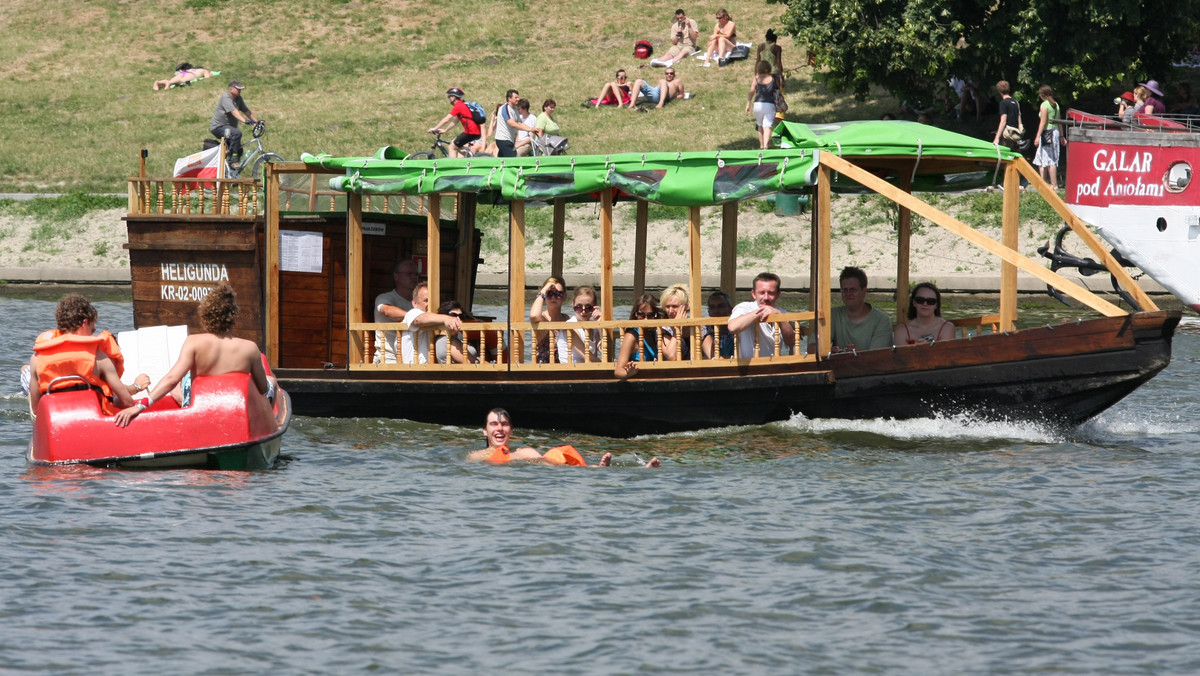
{"x":667,"y":90}
{"x":498,"y":432}
{"x":208,"y":354}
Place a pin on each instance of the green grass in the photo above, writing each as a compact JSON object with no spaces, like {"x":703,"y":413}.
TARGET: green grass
{"x":760,"y":247}
{"x":346,"y":78}
{"x":58,"y":210}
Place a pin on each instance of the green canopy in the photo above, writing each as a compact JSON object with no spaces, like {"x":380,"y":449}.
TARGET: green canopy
{"x":679,"y":178}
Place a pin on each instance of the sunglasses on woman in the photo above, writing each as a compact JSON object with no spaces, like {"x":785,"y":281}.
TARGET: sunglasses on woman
{"x":584,"y":308}
{"x":456,"y":314}
{"x":556,"y":294}
{"x":646,"y":315}
{"x":924,"y":300}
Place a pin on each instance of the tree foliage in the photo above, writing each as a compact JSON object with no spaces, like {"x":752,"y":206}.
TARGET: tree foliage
{"x":909,"y":47}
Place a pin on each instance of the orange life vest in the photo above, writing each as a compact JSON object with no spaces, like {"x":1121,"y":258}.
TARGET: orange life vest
{"x":108,"y":345}
{"x":564,"y":455}
{"x":68,"y":354}
{"x":559,"y":455}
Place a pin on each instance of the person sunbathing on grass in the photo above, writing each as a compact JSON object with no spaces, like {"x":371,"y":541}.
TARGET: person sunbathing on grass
{"x":184,"y":73}
{"x":666,"y":91}
{"x":498,"y":432}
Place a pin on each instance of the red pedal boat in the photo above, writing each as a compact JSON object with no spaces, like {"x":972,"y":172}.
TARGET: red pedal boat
{"x":228,"y":426}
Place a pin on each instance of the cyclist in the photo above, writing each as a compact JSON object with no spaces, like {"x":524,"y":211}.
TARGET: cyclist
{"x":231,"y":109}
{"x":462,"y":114}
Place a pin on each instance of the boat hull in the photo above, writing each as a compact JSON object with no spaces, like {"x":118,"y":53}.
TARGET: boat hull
{"x":226,"y":428}
{"x":1059,"y":375}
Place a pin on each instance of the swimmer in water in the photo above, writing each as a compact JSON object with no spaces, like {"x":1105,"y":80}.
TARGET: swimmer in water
{"x":498,"y":432}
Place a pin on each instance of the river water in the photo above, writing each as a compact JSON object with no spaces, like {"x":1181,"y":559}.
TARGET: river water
{"x":937,"y":546}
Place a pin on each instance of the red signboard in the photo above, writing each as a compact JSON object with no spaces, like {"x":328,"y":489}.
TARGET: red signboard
{"x":1108,"y":174}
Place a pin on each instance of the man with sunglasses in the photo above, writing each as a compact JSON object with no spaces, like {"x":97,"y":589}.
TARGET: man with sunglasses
{"x":683,"y":35}
{"x":757,"y":313}
{"x":667,"y":90}
{"x":856,"y":325}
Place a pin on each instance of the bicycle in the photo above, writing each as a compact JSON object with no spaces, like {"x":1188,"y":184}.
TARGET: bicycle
{"x":442,"y":145}
{"x":255,"y":155}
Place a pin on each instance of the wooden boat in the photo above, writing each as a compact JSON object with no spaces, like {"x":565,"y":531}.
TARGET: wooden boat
{"x":1132,"y":183}
{"x":331,"y":228}
{"x":228,"y":426}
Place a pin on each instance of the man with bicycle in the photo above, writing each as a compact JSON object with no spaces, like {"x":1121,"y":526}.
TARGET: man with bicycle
{"x":231,"y":109}
{"x":462,"y":114}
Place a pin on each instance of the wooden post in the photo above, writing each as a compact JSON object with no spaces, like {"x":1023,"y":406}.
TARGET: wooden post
{"x":516,"y":278}
{"x":729,"y":233}
{"x":903,"y":253}
{"x":560,"y":232}
{"x":355,"y":263}
{"x":271,"y":263}
{"x":822,"y":286}
{"x":433,"y":253}
{"x":641,"y":225}
{"x":694,"y":264}
{"x":606,"y":270}
{"x":1009,"y":235}
{"x":464,"y":258}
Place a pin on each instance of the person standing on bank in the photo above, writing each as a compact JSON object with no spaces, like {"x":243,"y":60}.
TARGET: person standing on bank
{"x":762,"y":96}
{"x":231,"y":109}
{"x":508,"y":123}
{"x":1048,"y":137}
{"x":772,"y":53}
{"x":1010,"y":114}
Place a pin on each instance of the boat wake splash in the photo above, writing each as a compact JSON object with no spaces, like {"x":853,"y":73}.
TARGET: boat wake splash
{"x":954,"y":426}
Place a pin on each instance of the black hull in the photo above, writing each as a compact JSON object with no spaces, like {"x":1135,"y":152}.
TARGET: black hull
{"x":1061,"y":375}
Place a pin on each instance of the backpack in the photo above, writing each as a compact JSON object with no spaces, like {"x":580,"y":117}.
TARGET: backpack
{"x":478,"y":114}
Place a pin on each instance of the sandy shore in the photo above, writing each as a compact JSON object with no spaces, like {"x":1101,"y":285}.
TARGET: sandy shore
{"x":863,"y":235}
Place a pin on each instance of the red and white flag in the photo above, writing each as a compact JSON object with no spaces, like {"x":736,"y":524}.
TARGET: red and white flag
{"x":204,"y":164}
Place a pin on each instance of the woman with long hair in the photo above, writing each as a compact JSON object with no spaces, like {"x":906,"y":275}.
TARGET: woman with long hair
{"x":925,"y":323}
{"x":1048,"y":137}
{"x":633,"y":348}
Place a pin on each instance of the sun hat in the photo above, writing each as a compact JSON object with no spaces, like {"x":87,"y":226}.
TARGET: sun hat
{"x":1128,"y":96}
{"x":1152,"y":85}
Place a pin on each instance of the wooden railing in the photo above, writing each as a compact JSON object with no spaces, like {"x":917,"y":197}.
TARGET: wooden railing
{"x":967,"y":327}
{"x":503,"y":346}
{"x":192,"y":196}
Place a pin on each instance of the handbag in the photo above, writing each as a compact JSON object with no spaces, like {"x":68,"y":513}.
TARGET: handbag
{"x":781,"y":105}
{"x":1048,"y":137}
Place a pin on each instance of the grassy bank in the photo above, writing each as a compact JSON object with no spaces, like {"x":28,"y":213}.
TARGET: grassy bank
{"x":348,"y":77}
